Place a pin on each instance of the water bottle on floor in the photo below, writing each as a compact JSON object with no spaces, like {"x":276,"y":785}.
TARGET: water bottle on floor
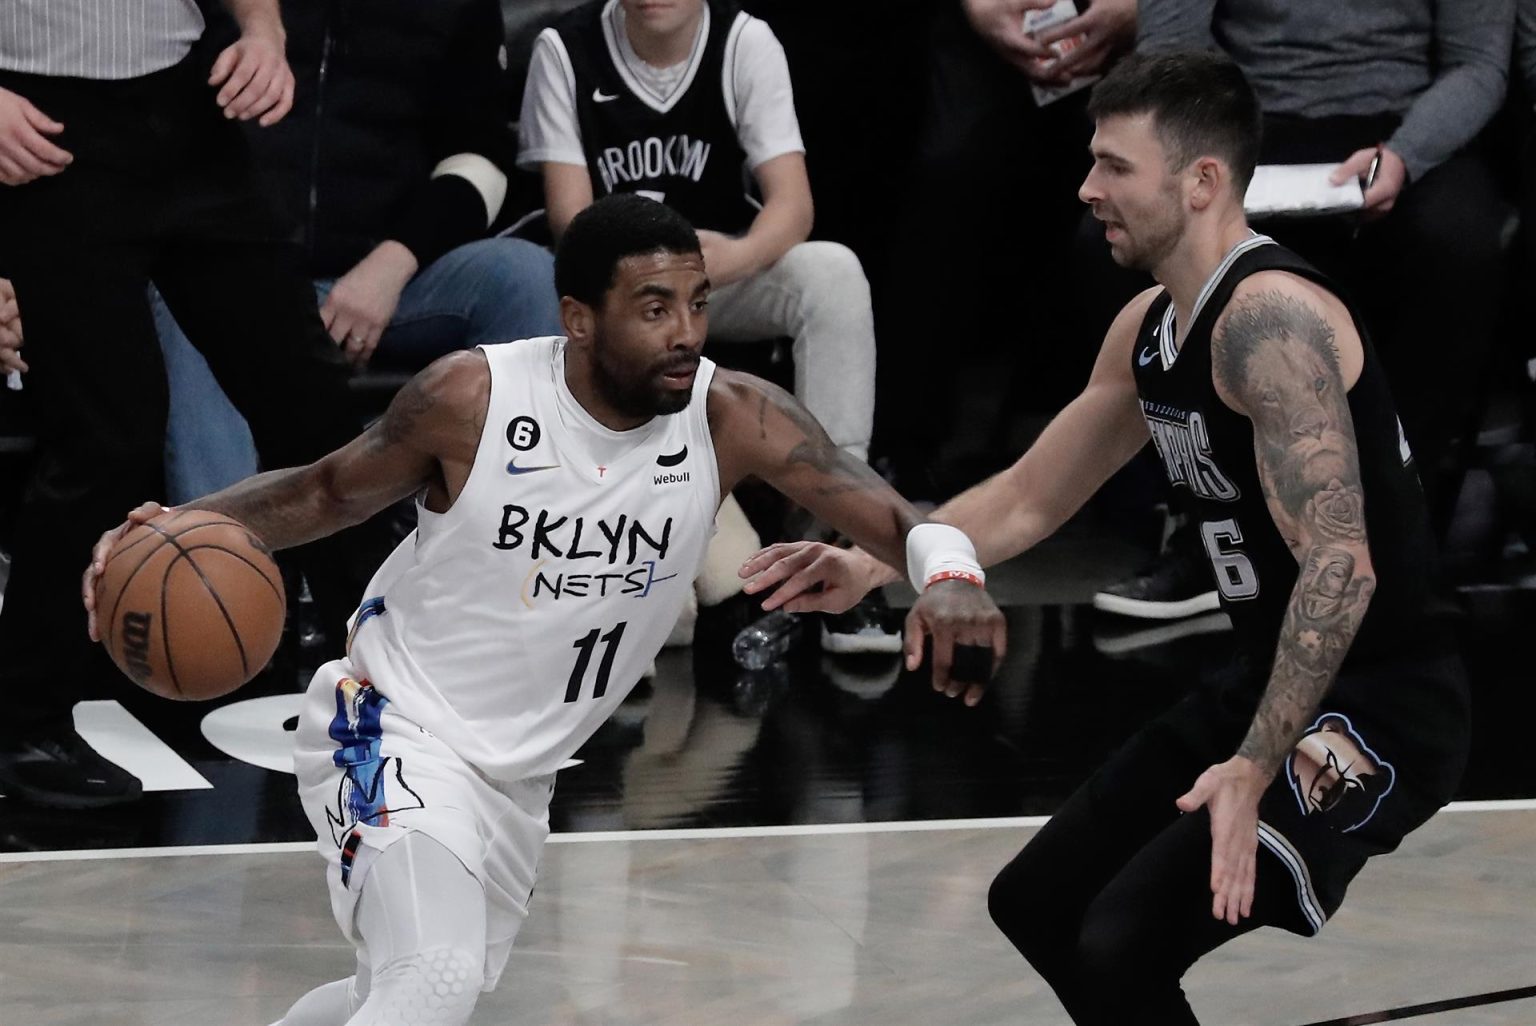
{"x":765,"y":640}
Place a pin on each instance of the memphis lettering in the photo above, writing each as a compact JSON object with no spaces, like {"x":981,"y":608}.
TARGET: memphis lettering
{"x":1184,"y":443}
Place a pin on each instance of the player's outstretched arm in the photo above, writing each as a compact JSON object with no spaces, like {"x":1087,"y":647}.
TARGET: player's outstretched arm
{"x":1009,"y":512}
{"x":427,"y":436}
{"x":760,"y":430}
{"x":1276,"y":359}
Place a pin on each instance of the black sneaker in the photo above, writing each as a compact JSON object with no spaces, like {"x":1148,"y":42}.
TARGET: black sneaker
{"x":1176,"y":585}
{"x":865,"y":629}
{"x":56,"y":768}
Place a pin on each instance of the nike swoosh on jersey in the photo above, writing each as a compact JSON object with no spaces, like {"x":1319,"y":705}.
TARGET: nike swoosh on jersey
{"x":674,"y":459}
{"x":513,"y":468}
{"x":1146,"y":356}
{"x":598,"y":96}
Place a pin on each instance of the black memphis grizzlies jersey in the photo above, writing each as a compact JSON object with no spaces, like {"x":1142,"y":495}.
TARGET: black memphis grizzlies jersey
{"x":1208,"y":451}
{"x":686,"y":155}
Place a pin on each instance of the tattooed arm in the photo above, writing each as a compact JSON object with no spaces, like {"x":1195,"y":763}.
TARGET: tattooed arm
{"x":762,"y":431}
{"x":1012,"y":510}
{"x":1284,"y":354}
{"x":426,"y":439}
{"x":1277,"y":360}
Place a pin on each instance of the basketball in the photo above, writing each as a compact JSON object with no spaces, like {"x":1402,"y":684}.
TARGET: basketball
{"x":190,"y":605}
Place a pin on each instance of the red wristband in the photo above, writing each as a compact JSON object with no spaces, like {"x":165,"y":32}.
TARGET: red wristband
{"x":954,"y":575}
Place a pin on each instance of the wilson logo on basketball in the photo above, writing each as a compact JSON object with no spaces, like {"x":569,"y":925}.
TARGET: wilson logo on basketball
{"x":136,"y":644}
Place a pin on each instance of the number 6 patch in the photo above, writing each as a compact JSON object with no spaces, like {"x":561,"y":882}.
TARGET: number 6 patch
{"x":523,"y":433}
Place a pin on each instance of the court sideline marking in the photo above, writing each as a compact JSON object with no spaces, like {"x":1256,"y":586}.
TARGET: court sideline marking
{"x":682,"y":834}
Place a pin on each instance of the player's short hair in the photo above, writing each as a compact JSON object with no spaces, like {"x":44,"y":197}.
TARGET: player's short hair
{"x":615,"y":227}
{"x":1200,"y":104}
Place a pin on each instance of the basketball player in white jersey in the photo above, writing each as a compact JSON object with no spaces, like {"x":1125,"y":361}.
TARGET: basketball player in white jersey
{"x":566,"y":488}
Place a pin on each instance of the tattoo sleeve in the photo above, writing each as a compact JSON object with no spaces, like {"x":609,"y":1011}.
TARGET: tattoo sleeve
{"x":1276,"y":354}
{"x":293,"y":506}
{"x":796,"y":456}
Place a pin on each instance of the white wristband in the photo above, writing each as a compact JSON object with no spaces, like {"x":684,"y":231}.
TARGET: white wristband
{"x":936,"y":548}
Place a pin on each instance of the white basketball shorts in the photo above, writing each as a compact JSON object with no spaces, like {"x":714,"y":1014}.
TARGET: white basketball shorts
{"x":368,"y":776}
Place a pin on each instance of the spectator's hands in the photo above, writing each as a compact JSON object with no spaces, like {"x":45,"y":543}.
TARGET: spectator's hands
{"x":98,"y":565}
{"x":25,"y":152}
{"x":1391,"y":177}
{"x":810,"y":577}
{"x":955,"y":613}
{"x":253,"y":78}
{"x":725,"y":259}
{"x":1001,"y":24}
{"x":363,"y":300}
{"x":1231,"y":791}
{"x":1110,"y":27}
{"x":10,"y":331}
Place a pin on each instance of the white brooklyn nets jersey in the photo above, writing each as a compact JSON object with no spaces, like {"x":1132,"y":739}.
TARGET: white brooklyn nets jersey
{"x":512,"y":625}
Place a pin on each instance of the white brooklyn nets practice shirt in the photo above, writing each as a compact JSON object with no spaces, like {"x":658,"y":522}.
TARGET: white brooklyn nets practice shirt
{"x":512,"y":625}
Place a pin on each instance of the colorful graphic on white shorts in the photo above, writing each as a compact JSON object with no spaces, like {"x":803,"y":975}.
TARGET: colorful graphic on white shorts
{"x":362,"y":795}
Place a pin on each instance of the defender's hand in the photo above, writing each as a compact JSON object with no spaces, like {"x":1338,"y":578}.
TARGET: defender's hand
{"x":810,"y":577}
{"x":143,"y":515}
{"x":955,"y":613}
{"x":1231,"y":791}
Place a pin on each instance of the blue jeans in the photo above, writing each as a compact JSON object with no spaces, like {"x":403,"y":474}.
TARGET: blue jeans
{"x":492,"y":290}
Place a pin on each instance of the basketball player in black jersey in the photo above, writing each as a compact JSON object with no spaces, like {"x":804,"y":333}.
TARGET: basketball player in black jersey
{"x":1246,"y":804}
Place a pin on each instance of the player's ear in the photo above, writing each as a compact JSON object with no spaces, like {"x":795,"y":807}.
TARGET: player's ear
{"x":578,"y":318}
{"x":1209,"y":178}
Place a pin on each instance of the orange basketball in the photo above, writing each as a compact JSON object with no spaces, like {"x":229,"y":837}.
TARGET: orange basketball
{"x":190,"y":605}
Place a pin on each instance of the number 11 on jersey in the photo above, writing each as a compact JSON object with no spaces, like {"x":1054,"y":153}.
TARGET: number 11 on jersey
{"x":584,"y":647}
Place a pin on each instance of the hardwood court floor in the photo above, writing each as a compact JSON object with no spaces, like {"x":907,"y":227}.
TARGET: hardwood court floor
{"x":857,"y":929}
{"x":810,"y":871}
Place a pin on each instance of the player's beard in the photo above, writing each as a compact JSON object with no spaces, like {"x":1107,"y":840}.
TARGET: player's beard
{"x":636,"y":392}
{"x":1155,"y":236}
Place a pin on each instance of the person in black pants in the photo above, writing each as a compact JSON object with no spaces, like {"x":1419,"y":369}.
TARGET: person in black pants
{"x":118,"y":171}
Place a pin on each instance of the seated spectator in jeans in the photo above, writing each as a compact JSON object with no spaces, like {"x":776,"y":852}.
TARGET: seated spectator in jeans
{"x":392,"y":166}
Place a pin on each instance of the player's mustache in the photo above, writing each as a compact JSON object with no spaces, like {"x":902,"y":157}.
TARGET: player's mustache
{"x":679,"y":366}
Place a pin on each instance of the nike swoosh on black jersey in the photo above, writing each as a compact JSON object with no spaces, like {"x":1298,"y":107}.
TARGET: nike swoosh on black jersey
{"x":674,"y":459}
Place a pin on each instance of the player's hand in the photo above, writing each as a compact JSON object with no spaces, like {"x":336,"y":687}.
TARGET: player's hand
{"x":1231,"y":791}
{"x":955,"y":613}
{"x":253,"y":77}
{"x":25,"y":151}
{"x":1391,"y":177}
{"x":363,"y":301}
{"x":1110,"y":28}
{"x":10,"y":330}
{"x":143,"y":515}
{"x":811,"y":577}
{"x":1001,"y":24}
